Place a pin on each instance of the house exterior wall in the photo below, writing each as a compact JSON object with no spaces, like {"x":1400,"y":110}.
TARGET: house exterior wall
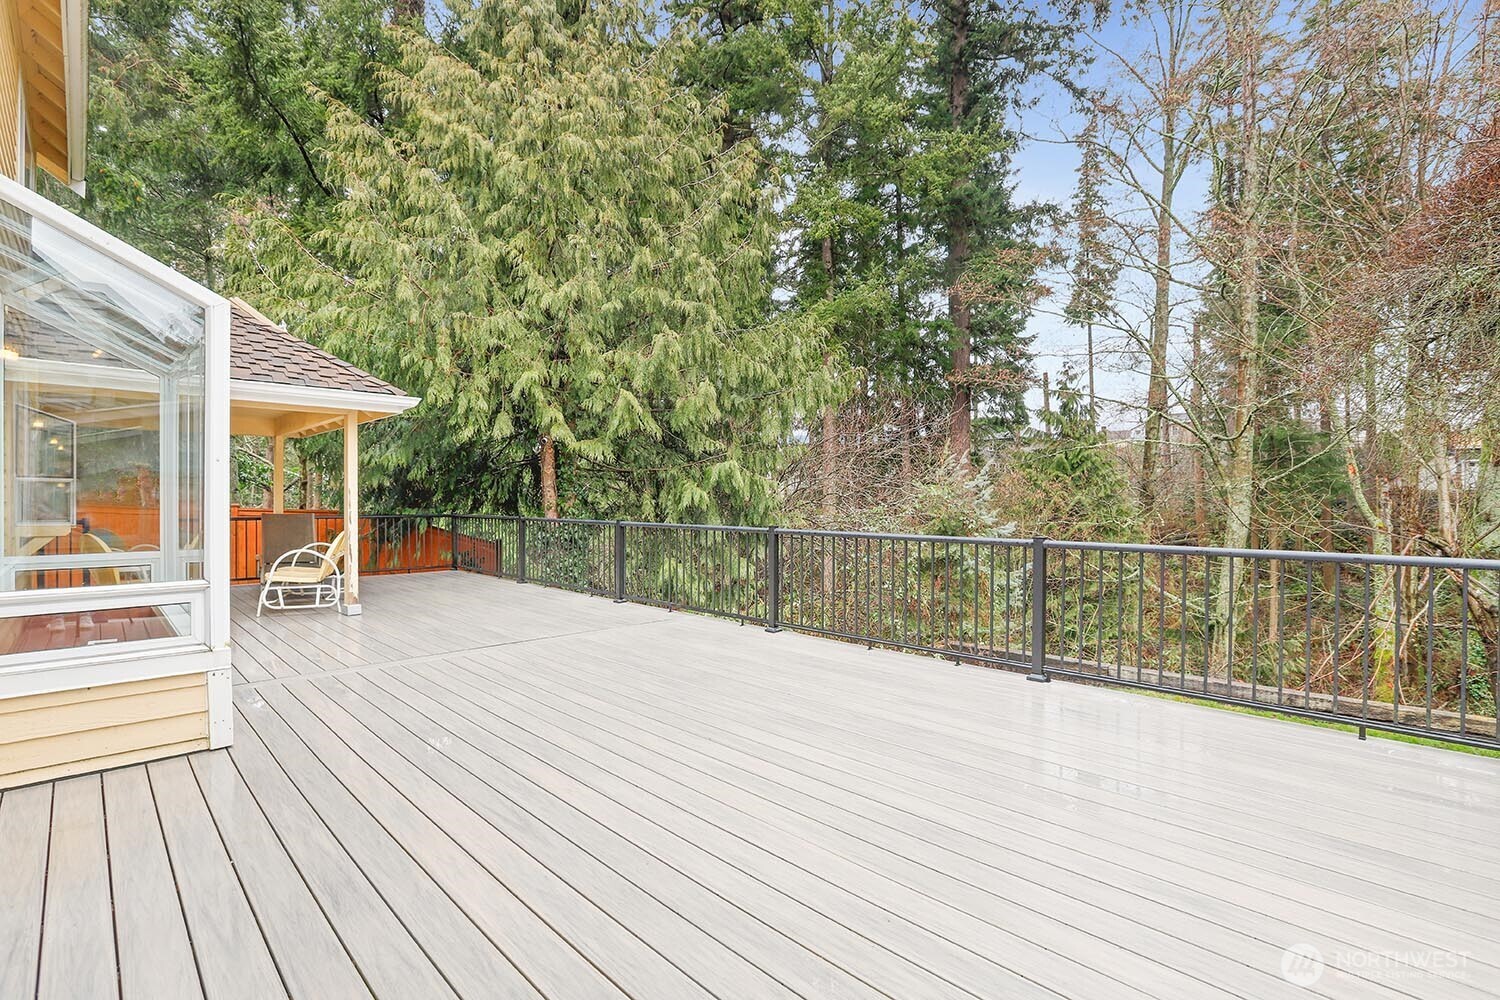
{"x":12,"y":133}
{"x":53,"y":735}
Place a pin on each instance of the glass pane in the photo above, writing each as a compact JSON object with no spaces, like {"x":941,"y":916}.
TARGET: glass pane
{"x":35,"y":633}
{"x":103,"y":374}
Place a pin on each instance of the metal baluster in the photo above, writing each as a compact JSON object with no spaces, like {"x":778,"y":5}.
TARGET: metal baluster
{"x":1038,"y":610}
{"x":1431,"y":621}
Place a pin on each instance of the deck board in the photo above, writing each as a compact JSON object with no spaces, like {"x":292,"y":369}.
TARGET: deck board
{"x":234,"y":959}
{"x":78,"y":956}
{"x":25,"y":829}
{"x":481,"y":789}
{"x":155,"y":955}
{"x":906,"y":759}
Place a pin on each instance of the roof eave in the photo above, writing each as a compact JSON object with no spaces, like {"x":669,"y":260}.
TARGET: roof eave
{"x":307,"y":397}
{"x":75,"y":19}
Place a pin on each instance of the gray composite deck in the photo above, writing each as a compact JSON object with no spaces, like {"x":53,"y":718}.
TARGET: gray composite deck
{"x":487,"y":789}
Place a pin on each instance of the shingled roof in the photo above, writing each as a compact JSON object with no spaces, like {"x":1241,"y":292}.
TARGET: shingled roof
{"x":262,"y":351}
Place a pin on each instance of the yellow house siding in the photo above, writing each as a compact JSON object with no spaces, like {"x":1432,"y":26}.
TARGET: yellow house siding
{"x":11,"y":132}
{"x":48,"y":736}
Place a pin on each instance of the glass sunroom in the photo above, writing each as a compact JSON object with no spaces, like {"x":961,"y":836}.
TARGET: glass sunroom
{"x":113,"y":462}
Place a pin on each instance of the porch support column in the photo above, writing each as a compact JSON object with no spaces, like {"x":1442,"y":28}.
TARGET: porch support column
{"x":278,"y":473}
{"x":350,"y":606}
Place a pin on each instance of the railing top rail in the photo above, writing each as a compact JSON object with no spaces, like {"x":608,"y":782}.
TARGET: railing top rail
{"x":694,"y":527}
{"x":897,"y":537}
{"x":1356,"y":558}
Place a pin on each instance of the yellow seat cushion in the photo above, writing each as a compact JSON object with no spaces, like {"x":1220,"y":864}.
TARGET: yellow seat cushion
{"x":300,"y":574}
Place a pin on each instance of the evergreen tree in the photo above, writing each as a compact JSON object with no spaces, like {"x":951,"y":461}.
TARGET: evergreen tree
{"x":194,"y":104}
{"x":1095,"y":267}
{"x":550,"y":243}
{"x":1074,"y":484}
{"x":985,"y":55}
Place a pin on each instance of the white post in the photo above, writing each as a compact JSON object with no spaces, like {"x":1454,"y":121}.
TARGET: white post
{"x":351,"y":514}
{"x":278,"y":473}
{"x":168,"y":486}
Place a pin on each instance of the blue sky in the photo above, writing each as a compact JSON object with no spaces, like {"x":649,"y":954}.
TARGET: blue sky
{"x":1046,"y":170}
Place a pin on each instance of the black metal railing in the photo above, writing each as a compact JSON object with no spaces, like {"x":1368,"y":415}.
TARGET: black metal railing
{"x":1401,"y":643}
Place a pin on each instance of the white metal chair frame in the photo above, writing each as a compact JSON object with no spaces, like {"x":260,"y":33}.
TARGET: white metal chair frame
{"x":324,"y":591}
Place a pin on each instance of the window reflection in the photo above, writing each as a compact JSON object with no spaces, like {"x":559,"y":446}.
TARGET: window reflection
{"x":103,"y":374}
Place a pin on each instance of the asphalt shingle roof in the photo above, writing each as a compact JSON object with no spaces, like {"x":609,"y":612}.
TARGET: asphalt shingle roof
{"x":261,"y":351}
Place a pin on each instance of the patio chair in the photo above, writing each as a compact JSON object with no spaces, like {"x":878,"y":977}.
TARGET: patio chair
{"x":280,"y":534}
{"x":310,"y":576}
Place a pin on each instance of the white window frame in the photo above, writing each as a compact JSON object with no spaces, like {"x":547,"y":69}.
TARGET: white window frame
{"x":209,"y":597}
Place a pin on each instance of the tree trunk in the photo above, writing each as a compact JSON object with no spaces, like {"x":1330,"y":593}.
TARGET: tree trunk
{"x":830,"y":418}
{"x":1156,"y":393}
{"x":1200,"y":473}
{"x":960,"y":416}
{"x":1325,"y":516}
{"x":1382,"y":601}
{"x":409,"y":12}
{"x":1093,"y":397}
{"x":549,"y":477}
{"x":1239,"y":488}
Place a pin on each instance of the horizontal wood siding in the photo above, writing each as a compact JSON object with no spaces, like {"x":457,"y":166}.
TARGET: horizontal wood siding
{"x":10,"y":92}
{"x":53,"y":735}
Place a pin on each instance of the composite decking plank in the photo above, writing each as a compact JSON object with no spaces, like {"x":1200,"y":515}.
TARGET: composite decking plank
{"x":471,"y":961}
{"x":1185,"y":950}
{"x":1008,"y":929}
{"x":313,"y":961}
{"x":341,"y":640}
{"x":601,"y":916}
{"x":548,"y":820}
{"x":389,"y":958}
{"x":231,"y":951}
{"x":1422,"y":772}
{"x":552,"y":963}
{"x":155,"y":953}
{"x":283,"y":640}
{"x":845,"y":897}
{"x":1337,"y":860}
{"x":797,"y":755}
{"x":897,"y":669}
{"x":841,"y":946}
{"x":25,"y":832}
{"x":78,"y":932}
{"x":276,"y":652}
{"x":1045,"y":756}
{"x":1212,"y":780}
{"x":477,"y":781}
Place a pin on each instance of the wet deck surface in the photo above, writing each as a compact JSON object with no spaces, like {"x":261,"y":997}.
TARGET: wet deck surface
{"x":487,"y":789}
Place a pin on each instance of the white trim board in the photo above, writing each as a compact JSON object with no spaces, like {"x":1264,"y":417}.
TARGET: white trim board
{"x":140,"y":666}
{"x":305,"y":397}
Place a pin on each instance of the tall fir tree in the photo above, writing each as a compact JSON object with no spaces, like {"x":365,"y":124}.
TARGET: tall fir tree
{"x":1095,"y":265}
{"x":550,"y":243}
{"x":985,"y":56}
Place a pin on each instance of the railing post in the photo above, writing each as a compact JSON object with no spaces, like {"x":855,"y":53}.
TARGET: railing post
{"x":619,"y":562}
{"x":521,"y":549}
{"x":1038,"y":610}
{"x":453,"y":537}
{"x":773,"y":581}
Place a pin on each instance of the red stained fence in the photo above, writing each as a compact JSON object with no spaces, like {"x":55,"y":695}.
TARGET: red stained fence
{"x":388,"y":543}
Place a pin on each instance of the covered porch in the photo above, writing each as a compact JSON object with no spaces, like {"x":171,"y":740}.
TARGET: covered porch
{"x":282,"y":388}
